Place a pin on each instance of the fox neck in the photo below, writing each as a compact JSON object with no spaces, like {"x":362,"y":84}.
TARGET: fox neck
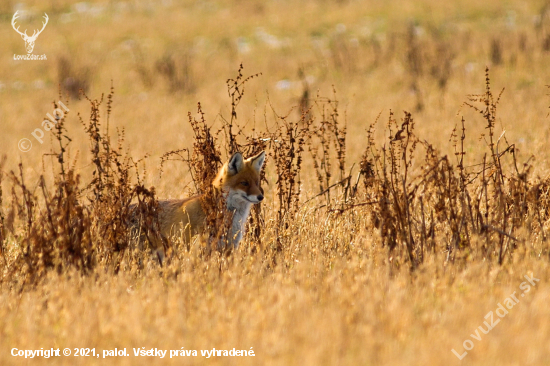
{"x":240,"y":210}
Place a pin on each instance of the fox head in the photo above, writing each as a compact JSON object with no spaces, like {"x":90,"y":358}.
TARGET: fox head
{"x":239,"y":179}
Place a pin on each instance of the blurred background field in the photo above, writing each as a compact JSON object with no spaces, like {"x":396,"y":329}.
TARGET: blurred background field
{"x":163,"y":57}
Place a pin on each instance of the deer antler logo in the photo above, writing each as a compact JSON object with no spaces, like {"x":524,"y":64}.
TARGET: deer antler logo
{"x":29,"y":41}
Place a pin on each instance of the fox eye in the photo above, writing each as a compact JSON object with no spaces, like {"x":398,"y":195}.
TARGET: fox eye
{"x":245,"y":184}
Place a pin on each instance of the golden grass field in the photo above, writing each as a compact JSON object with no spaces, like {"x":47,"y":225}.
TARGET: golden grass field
{"x":326,"y":284}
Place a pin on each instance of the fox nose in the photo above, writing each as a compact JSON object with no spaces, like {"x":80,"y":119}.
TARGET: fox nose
{"x":260,"y":197}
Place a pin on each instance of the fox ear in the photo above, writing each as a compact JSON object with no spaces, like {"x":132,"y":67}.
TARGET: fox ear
{"x":258,"y":161}
{"x":236,"y":163}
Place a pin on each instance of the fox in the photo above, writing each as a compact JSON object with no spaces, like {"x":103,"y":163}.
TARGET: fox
{"x":237,"y":183}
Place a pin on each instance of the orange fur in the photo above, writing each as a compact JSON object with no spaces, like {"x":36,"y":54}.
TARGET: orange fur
{"x":238,"y":181}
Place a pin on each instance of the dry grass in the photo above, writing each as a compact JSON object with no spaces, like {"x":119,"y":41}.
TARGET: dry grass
{"x":385,"y":237}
